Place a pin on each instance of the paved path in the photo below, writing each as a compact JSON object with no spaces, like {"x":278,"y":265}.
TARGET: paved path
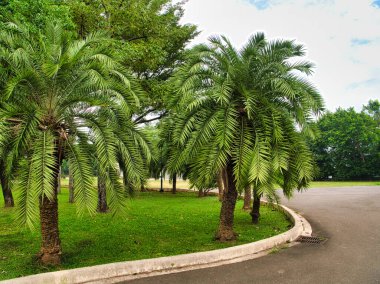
{"x":348,"y":217}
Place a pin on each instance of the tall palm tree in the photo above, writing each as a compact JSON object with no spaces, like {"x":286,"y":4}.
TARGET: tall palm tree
{"x":237,"y":109}
{"x":57,"y":92}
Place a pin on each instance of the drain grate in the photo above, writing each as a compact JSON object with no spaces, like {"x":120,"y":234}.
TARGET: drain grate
{"x":311,"y":239}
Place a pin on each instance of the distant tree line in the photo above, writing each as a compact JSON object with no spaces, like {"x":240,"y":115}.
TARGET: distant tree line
{"x":348,"y":144}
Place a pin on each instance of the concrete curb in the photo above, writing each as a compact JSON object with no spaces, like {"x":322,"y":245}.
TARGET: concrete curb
{"x":121,"y":271}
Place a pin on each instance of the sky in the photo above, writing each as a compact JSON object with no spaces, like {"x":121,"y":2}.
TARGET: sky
{"x":342,"y":38}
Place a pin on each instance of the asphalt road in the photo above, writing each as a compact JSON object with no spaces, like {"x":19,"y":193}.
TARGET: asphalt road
{"x":350,"y":220}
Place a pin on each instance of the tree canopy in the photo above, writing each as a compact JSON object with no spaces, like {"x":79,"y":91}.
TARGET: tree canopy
{"x":243,"y":105}
{"x":348,"y":147}
{"x":59,"y":96}
{"x":149,"y":35}
{"x":37,"y":13}
{"x":237,"y":112}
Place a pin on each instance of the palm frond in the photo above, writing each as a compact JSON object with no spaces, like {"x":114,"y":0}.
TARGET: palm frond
{"x":85,"y":195}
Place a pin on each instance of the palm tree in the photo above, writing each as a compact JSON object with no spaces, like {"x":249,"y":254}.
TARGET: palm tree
{"x":132,"y":154}
{"x":167,"y":148}
{"x":297,"y":174}
{"x":56,"y":93}
{"x":236,"y":108}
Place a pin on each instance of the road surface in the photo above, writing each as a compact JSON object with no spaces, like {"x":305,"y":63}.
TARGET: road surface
{"x":350,"y":220}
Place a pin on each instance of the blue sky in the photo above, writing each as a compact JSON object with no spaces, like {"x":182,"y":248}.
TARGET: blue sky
{"x":342,"y":38}
{"x":360,"y":41}
{"x":260,"y":4}
{"x":376,"y":3}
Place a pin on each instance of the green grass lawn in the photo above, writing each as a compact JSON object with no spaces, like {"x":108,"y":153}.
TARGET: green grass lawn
{"x":157,"y":224}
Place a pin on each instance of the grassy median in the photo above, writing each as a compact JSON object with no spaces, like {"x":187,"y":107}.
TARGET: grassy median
{"x":156,"y":224}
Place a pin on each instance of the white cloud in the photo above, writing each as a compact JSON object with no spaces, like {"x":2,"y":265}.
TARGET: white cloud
{"x":342,"y":37}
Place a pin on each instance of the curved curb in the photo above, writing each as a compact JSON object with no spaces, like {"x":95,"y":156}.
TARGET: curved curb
{"x":121,"y":271}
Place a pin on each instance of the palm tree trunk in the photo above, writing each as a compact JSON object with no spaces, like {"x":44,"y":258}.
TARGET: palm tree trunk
{"x":128,"y":186}
{"x":174,"y":189}
{"x":71,"y":187}
{"x":219,"y":182}
{"x":225,"y":230}
{"x":7,"y":193}
{"x":59,"y":183}
{"x":50,"y":252}
{"x":255,"y":213}
{"x":102,"y":197}
{"x":247,"y":198}
{"x":162,"y":182}
{"x":130,"y":190}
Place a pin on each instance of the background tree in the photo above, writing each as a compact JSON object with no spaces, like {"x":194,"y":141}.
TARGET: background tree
{"x":161,"y":138}
{"x":235,"y":112}
{"x":55,"y":89}
{"x":168,"y":148}
{"x":150,"y":36}
{"x":373,"y":109}
{"x":37,"y":13}
{"x":348,"y":146}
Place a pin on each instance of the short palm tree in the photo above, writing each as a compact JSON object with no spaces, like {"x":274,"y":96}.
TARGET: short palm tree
{"x":60,"y":97}
{"x":240,"y":111}
{"x":168,"y":149}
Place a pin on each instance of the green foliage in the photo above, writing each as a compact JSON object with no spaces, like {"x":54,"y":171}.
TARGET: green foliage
{"x":65,"y":168}
{"x":171,"y":225}
{"x":149,"y":30}
{"x":37,"y":13}
{"x":152,"y":134}
{"x":373,"y":109}
{"x":86,"y":15}
{"x":148,"y":34}
{"x":243,"y":106}
{"x":59,"y":96}
{"x":348,"y":146}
